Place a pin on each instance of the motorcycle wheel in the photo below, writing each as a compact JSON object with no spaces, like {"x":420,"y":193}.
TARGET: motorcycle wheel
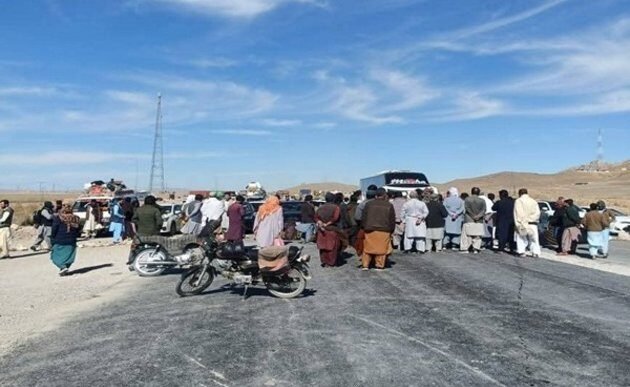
{"x":195,"y":281}
{"x":145,"y":256}
{"x":289,"y":285}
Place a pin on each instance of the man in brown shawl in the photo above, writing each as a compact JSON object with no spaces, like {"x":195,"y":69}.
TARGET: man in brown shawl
{"x":328,"y":241}
{"x":379,"y":222}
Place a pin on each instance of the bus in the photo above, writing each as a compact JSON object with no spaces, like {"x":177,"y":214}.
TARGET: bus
{"x":403,"y":181}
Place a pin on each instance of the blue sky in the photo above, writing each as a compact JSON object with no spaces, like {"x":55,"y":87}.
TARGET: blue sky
{"x":291,"y":91}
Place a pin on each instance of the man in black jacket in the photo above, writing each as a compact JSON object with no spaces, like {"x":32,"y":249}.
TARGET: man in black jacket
{"x":557,"y":222}
{"x":378,"y":221}
{"x":504,"y":209}
{"x":571,"y":222}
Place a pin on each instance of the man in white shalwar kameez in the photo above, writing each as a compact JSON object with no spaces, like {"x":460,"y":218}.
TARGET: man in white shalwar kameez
{"x":526,"y":218}
{"x":212,"y":209}
{"x":414,"y":212}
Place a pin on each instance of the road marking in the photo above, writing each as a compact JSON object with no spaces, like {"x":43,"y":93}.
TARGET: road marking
{"x":433,"y":349}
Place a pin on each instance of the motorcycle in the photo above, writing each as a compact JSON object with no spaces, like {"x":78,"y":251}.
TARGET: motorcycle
{"x":240,"y":265}
{"x":150,"y":256}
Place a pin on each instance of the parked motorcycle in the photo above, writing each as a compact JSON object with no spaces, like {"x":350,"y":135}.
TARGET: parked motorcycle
{"x":239,"y":264}
{"x":151,"y":256}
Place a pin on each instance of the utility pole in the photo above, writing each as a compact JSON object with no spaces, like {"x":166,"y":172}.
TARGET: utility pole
{"x":157,"y":160}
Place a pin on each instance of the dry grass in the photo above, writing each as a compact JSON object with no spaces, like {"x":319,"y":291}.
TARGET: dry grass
{"x":25,"y":203}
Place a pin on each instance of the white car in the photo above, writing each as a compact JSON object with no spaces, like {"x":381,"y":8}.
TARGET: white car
{"x":170,"y":216}
{"x":621,"y":221}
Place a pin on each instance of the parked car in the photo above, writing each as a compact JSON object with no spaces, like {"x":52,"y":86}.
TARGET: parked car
{"x":547,"y":207}
{"x":170,"y":216}
{"x":621,"y":222}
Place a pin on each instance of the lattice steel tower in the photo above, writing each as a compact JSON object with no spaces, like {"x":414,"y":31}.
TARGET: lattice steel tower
{"x":157,"y":161}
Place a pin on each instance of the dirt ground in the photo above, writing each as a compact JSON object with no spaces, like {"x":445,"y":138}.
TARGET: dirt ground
{"x":35,"y":300}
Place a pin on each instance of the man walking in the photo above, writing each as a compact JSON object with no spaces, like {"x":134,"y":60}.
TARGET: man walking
{"x":609,"y":217}
{"x":504,"y":209}
{"x":378,"y":221}
{"x":526,"y":217}
{"x":595,"y":223}
{"x":475,"y":211}
{"x":44,"y":219}
{"x":6,"y":218}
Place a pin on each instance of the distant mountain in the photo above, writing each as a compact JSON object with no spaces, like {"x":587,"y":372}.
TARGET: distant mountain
{"x":585,"y":183}
{"x":326,"y":187}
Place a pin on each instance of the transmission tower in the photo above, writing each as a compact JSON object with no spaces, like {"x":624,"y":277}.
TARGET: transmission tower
{"x":157,"y":161}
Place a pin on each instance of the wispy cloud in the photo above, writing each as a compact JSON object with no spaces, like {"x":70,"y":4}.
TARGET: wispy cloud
{"x":380,"y":96}
{"x":73,"y":157}
{"x":208,"y":63}
{"x":504,"y":21}
{"x":245,"y":9}
{"x":243,"y":132}
{"x":280,"y":122}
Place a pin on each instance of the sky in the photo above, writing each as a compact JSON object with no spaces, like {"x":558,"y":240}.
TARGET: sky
{"x":291,"y":91}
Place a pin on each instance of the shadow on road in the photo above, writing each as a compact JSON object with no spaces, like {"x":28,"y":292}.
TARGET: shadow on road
{"x":88,"y":269}
{"x":252,"y":291}
{"x":39,"y":252}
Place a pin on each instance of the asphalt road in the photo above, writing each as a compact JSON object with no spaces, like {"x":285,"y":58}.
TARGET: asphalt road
{"x":447,"y":319}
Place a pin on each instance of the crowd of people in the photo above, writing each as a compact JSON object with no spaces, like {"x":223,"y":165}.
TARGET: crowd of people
{"x":375,"y":227}
{"x":424,"y":221}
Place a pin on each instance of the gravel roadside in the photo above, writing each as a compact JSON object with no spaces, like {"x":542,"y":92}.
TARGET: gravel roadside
{"x":34,"y":299}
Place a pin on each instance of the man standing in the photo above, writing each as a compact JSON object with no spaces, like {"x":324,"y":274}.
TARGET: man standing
{"x":526,"y":217}
{"x":595,"y":223}
{"x":488,"y":221}
{"x":117,"y":220}
{"x":453,"y":226}
{"x":307,"y":219}
{"x":44,"y":220}
{"x":93,"y":218}
{"x":212,"y":209}
{"x":475,"y":211}
{"x":435,"y":223}
{"x":370,"y":194}
{"x":414,"y":213}
{"x":557,"y":222}
{"x":328,"y":241}
{"x":504,"y":209}
{"x":6,"y":218}
{"x":398,"y":202}
{"x":147,"y":219}
{"x":378,"y":222}
{"x":571,"y":222}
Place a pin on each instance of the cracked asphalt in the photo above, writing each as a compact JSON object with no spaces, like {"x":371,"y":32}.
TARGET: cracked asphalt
{"x":432,"y":320}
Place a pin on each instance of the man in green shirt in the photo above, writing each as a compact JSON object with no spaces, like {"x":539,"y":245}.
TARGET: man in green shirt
{"x":148,"y":218}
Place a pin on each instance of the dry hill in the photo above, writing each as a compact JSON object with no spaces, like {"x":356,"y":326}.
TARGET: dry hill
{"x":585,"y":184}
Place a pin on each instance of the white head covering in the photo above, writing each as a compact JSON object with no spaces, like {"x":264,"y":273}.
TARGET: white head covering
{"x":453,"y":192}
{"x":190,"y":199}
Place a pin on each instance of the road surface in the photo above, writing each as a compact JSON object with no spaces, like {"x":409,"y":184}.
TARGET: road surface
{"x":437,"y":319}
